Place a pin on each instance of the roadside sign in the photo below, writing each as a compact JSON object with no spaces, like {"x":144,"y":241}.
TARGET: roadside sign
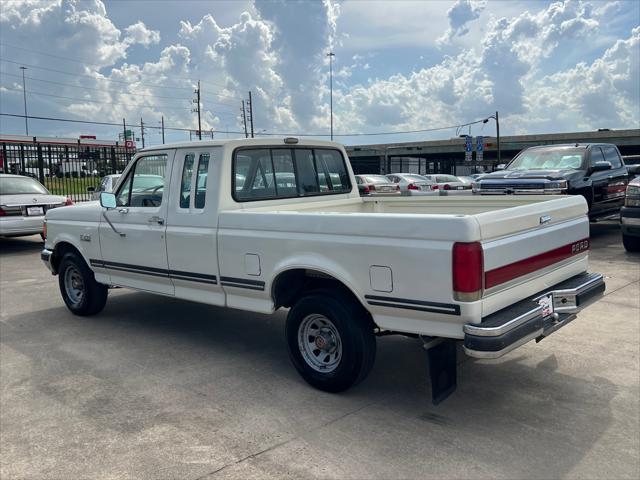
{"x":128,"y":144}
{"x":479,"y":143}
{"x":468,"y":148}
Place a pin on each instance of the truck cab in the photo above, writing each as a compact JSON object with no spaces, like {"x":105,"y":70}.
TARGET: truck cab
{"x":594,"y":170}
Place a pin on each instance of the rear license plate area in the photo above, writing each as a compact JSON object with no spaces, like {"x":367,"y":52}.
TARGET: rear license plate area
{"x":35,"y":211}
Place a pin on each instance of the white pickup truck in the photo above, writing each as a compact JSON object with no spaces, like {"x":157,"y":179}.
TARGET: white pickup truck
{"x":263,"y":224}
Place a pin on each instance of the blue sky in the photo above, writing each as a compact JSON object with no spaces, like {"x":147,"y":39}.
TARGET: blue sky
{"x":399,"y":65}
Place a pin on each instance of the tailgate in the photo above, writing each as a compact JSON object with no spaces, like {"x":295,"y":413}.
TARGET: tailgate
{"x":532,"y":247}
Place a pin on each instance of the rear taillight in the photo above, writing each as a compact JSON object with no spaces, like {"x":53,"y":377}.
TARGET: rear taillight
{"x":434,"y":187}
{"x":467,"y":271}
{"x":372,"y":188}
{"x":365,"y":189}
{"x":68,"y":201}
{"x":44,"y":230}
{"x":397,"y":188}
{"x":412,"y":186}
{"x":447,"y":186}
{"x":2,"y":213}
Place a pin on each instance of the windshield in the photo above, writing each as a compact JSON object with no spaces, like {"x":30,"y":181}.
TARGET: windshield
{"x":20,"y":185}
{"x":548,"y":159}
{"x":376,"y":179}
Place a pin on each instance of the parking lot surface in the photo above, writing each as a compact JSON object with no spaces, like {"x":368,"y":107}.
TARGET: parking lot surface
{"x":159,"y":388}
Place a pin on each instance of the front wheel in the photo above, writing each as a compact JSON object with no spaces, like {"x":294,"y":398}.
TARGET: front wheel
{"x":631,"y":244}
{"x":80,"y":291}
{"x":330,"y":340}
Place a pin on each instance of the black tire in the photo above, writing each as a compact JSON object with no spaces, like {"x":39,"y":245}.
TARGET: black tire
{"x":355,"y":336}
{"x":93,"y":295}
{"x":631,"y":244}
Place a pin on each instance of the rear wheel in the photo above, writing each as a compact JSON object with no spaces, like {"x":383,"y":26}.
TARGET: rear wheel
{"x":80,"y":291}
{"x":631,"y":244}
{"x":331,"y":341}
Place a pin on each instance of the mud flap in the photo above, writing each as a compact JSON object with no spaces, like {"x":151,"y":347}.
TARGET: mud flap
{"x":442,"y":370}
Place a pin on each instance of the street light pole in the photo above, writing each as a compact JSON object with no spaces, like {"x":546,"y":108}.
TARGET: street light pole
{"x":24,"y":96}
{"x":331,"y":55}
{"x":498,"y":135}
{"x":496,"y":117}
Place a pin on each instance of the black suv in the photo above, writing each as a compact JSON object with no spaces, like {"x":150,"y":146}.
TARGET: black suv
{"x":594,"y":170}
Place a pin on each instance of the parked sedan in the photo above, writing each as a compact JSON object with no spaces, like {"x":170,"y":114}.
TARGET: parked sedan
{"x":23,"y":204}
{"x":376,"y":184}
{"x":412,"y":184}
{"x":449,"y":182}
{"x":630,"y":217}
{"x":107,"y":184}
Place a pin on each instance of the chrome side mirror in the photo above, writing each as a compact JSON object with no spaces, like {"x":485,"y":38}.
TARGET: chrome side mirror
{"x":107,"y":200}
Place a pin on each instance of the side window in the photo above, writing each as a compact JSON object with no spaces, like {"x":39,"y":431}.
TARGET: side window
{"x":307,"y":179}
{"x":596,"y":155}
{"x":201,"y":184}
{"x":611,"y":155}
{"x":185,"y":184}
{"x":145,"y":184}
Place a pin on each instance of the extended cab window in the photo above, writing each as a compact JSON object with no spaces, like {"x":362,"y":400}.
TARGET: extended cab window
{"x":144,"y":184}
{"x":185,"y":184}
{"x":288,"y":172}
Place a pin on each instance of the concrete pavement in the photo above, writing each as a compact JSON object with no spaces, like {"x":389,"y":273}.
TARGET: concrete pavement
{"x":159,"y":388}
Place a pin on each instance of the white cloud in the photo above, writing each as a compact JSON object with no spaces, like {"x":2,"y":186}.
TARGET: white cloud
{"x":139,"y":33}
{"x":460,"y":14}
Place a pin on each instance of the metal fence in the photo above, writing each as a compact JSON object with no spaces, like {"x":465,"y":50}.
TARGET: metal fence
{"x":65,"y":169}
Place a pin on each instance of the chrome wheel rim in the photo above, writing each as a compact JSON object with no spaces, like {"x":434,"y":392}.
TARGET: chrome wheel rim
{"x":320,"y":343}
{"x":73,"y":285}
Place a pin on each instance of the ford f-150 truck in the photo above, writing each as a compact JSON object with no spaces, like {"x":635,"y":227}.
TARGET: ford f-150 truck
{"x":263,"y":224}
{"x":594,"y":170}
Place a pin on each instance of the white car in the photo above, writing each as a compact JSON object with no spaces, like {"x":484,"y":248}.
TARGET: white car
{"x":107,"y":184}
{"x":490,"y":272}
{"x":23,"y":204}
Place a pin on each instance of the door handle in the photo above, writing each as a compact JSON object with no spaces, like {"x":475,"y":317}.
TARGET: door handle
{"x":156,"y":219}
{"x":123,"y":210}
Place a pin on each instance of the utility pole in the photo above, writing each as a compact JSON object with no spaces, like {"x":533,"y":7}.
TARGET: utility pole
{"x":251,"y":112}
{"x":124,"y":132}
{"x":24,"y":96}
{"x":197,"y":109}
{"x":244,"y":120}
{"x":331,"y":55}
{"x":163,"y":129}
{"x":142,"y":131}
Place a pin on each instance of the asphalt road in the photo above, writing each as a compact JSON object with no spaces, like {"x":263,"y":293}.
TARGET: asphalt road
{"x":160,"y":388}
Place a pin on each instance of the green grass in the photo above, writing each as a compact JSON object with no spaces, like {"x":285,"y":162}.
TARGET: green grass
{"x":76,"y":188}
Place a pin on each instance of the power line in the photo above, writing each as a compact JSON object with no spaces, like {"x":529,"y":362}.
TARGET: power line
{"x":424,"y":130}
{"x":96,"y":89}
{"x":102,"y":66}
{"x":168,"y":107}
{"x":75,"y":60}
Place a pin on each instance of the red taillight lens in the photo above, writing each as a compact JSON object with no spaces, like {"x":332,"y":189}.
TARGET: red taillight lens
{"x":411,"y":186}
{"x":2,"y":213}
{"x":467,"y":271}
{"x":447,"y":186}
{"x":397,"y":188}
{"x":434,"y":187}
{"x":68,"y":201}
{"x":366,"y":189}
{"x":44,"y":229}
{"x":372,"y":187}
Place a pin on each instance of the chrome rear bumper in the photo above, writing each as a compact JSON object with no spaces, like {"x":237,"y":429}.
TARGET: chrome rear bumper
{"x":524,"y":321}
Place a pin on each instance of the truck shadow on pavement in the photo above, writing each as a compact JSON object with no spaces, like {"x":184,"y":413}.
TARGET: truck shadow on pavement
{"x":147,"y":360}
{"x":19,"y":245}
